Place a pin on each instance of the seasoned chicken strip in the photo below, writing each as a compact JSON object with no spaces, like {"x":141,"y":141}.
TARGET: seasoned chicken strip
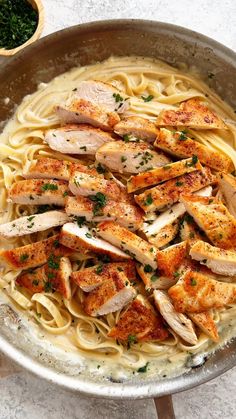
{"x":104,"y":95}
{"x":77,"y":139}
{"x":90,"y":278}
{"x":228,"y":187}
{"x":172,"y":143}
{"x":193,"y":114}
{"x":196,"y":292}
{"x":84,"y":240}
{"x":112,"y":295}
{"x":35,"y":254}
{"x":222,"y":262}
{"x":85,"y":185}
{"x":39,"y":192}
{"x":213,"y":218}
{"x":124,"y":214}
{"x":129,"y":157}
{"x":178,"y":322}
{"x":32,"y":223}
{"x":153,"y":280}
{"x":137,"y":127}
{"x":170,"y":259}
{"x":48,"y":168}
{"x":54,"y":276}
{"x":136,"y":247}
{"x":161,"y":174}
{"x":139,"y":321}
{"x":170,"y":192}
{"x":155,"y":231}
{"x":206,"y":323}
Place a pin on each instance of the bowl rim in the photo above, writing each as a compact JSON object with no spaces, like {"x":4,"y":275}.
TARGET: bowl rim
{"x":121,"y":390}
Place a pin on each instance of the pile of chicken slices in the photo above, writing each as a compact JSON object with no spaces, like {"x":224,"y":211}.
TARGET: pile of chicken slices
{"x":163,"y":247}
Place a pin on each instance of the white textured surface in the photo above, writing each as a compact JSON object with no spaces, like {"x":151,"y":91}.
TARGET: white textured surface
{"x":26,"y":397}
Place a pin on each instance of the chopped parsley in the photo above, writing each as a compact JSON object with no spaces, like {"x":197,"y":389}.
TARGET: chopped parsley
{"x":178,"y":183}
{"x":48,"y":286}
{"x":35,"y":282}
{"x":131,"y":339}
{"x":176,"y":274}
{"x":49,"y":187}
{"x":24,"y":257}
{"x":83,"y":148}
{"x":88,"y":235}
{"x":30,"y":218}
{"x":100,"y":169}
{"x":144,"y":368}
{"x":43,"y":208}
{"x":118,"y":97}
{"x":210,"y":75}
{"x":80,"y":221}
{"x":193,"y":162}
{"x":166,"y":167}
{"x":99,"y":269}
{"x":50,"y":275}
{"x":147,"y":98}
{"x":183,"y":136}
{"x":126,"y":138}
{"x":120,"y":269}
{"x":193,"y":282}
{"x":99,"y":201}
{"x":154,"y":278}
{"x":148,"y":200}
{"x":123,"y":159}
{"x":148,"y":268}
{"x":53,"y":262}
{"x":65,"y":194}
{"x":56,"y":244}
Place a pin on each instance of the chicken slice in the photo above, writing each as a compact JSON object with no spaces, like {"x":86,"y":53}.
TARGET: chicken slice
{"x":112,"y":295}
{"x":85,"y":185}
{"x":84,"y":240}
{"x":153,"y":280}
{"x":196,"y":292}
{"x":39,"y":192}
{"x":170,"y":259}
{"x":172,"y":143}
{"x":129,"y":157}
{"x":213,"y":218}
{"x":206,"y":323}
{"x":35,"y":254}
{"x":124,"y":214}
{"x":169,"y":192}
{"x":54,"y":276}
{"x":48,"y":168}
{"x":189,"y":230}
{"x":104,"y":95}
{"x":90,"y":278}
{"x":161,"y":174}
{"x":222,"y":262}
{"x":178,"y":322}
{"x":139,"y":323}
{"x":137,"y":127}
{"x":193,"y":114}
{"x":77,"y":139}
{"x":164,"y":228}
{"x":228,"y":187}
{"x":132,"y":244}
{"x":32,"y":223}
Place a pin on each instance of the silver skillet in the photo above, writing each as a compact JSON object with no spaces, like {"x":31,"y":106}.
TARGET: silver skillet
{"x":82,"y":45}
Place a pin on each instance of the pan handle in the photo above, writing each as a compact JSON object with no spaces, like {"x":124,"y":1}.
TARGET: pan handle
{"x":164,"y":407}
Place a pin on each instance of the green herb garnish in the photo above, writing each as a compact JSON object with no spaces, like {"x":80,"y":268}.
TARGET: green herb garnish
{"x":49,"y":187}
{"x":144,"y":368}
{"x":193,"y":282}
{"x":183,"y":136}
{"x":100,"y":169}
{"x":148,"y":268}
{"x":48,"y":286}
{"x":53,"y":262}
{"x":118,"y":97}
{"x":148,"y":200}
{"x":99,"y":201}
{"x":131,"y":339}
{"x":147,"y":98}
{"x":24,"y":257}
{"x":99,"y":269}
{"x":80,"y":221}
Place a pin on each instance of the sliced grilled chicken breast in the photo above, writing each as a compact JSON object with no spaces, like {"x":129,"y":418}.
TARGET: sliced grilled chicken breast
{"x":169,"y":192}
{"x":90,"y":278}
{"x":189,"y":231}
{"x":155,"y":231}
{"x":85,"y":184}
{"x":222,"y":262}
{"x":84,"y":240}
{"x":129,"y":157}
{"x":206,"y":323}
{"x":170,"y":259}
{"x":124,"y":214}
{"x":136,"y":247}
{"x":48,"y":168}
{"x":104,"y":95}
{"x":153,"y":280}
{"x":137,"y":127}
{"x":196,"y":292}
{"x":112,"y":295}
{"x":213,"y":218}
{"x":54,"y":276}
{"x":32,"y":223}
{"x":178,"y":322}
{"x":193,"y":114}
{"x":35,"y":254}
{"x":140,"y":322}
{"x":161,"y":174}
{"x":228,"y":187}
{"x":77,"y":139}
{"x":172,"y":143}
{"x":39,"y":192}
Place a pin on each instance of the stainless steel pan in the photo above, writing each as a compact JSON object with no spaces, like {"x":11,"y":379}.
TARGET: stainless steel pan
{"x":86,"y":44}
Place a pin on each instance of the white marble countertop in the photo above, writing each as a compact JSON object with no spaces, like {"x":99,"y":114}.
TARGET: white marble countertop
{"x":26,"y":397}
